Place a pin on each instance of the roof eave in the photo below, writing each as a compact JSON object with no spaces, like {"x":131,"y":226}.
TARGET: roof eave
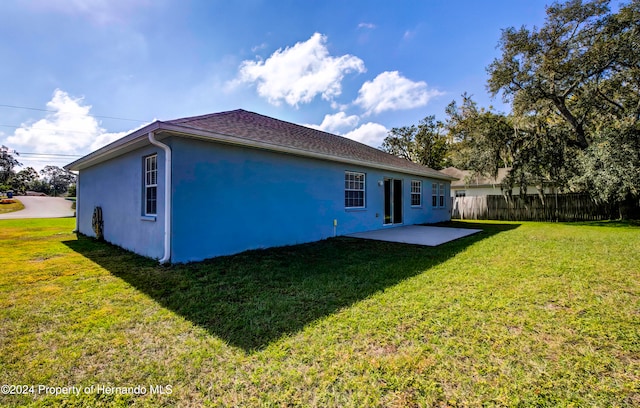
{"x":476,"y":185}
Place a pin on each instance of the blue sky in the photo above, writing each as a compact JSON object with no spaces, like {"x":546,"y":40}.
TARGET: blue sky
{"x":355,"y":68}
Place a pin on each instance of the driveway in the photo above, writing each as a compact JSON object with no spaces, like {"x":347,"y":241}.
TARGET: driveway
{"x":41,"y":207}
{"x":416,"y":234}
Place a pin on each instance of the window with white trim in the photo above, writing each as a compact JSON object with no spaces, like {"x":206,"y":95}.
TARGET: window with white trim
{"x":354,"y":189}
{"x":434,"y":195}
{"x":416,"y":193}
{"x":438,"y":193}
{"x":151,"y":185}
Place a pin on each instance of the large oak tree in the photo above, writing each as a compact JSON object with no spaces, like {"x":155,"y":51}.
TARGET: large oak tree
{"x":425,"y":143}
{"x":574,"y":86}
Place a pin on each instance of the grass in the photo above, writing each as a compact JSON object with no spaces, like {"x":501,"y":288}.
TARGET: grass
{"x":16,"y":205}
{"x":530,"y":314}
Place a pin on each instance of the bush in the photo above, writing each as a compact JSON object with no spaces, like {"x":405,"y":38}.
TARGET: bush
{"x":72,"y":190}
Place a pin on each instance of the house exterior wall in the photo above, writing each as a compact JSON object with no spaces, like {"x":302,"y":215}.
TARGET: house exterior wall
{"x":117,"y":187}
{"x":227,"y":199}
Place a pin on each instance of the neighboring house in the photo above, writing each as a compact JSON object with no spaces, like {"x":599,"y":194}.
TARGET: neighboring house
{"x":199,"y":187}
{"x":475,"y":186}
{"x":35,"y":193}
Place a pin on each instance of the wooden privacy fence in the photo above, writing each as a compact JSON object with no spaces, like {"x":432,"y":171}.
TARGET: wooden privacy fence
{"x":561,"y":207}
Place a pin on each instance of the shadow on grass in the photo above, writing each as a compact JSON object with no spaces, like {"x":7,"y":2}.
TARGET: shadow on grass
{"x":254,"y":298}
{"x":608,"y":223}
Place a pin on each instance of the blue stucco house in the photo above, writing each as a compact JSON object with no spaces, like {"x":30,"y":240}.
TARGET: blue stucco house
{"x":199,"y":187}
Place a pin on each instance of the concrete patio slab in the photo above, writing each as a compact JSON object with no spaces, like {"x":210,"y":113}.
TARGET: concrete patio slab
{"x":416,"y":234}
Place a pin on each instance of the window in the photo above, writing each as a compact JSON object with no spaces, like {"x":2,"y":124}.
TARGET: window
{"x":416,"y":193}
{"x":461,"y":193}
{"x":437,"y":195}
{"x":151,"y":185}
{"x":434,"y":195}
{"x":353,"y":189}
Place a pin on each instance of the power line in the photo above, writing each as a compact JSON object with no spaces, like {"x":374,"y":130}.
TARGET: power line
{"x":49,"y":154}
{"x":47,"y":160}
{"x":53,"y":111}
{"x":30,"y":155}
{"x":48,"y":130}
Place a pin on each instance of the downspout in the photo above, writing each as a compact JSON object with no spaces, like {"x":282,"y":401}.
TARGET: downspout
{"x":167,"y":197}
{"x":77,"y":201}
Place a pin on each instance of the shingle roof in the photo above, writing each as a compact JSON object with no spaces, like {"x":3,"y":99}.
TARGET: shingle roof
{"x":259,"y":128}
{"x":255,"y":130}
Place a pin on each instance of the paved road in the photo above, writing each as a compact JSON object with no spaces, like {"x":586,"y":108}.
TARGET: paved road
{"x":41,"y":207}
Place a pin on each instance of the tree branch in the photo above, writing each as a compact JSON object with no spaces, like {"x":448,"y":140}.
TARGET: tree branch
{"x":581,"y":139}
{"x":612,"y":102}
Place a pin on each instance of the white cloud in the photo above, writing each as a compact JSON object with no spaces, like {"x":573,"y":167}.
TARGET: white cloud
{"x":339,"y":106}
{"x":257,"y":48}
{"x":106,"y":138}
{"x":336,"y":122}
{"x":367,"y":25}
{"x":69,"y":129}
{"x":409,"y":34}
{"x":369,"y":133}
{"x":299,"y":73}
{"x":391,"y":91}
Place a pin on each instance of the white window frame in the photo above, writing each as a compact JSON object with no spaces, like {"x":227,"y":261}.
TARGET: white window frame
{"x":354,"y":182}
{"x":416,"y":192}
{"x":438,"y":199}
{"x":434,"y":195}
{"x":150,"y":184}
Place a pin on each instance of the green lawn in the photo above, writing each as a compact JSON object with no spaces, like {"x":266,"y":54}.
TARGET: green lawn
{"x":530,"y":314}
